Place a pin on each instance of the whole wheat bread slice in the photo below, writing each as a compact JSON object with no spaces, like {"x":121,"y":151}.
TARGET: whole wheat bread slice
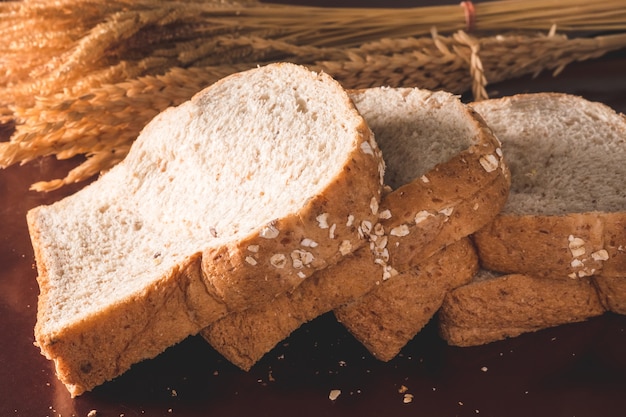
{"x":450,"y":180}
{"x":567,"y":190}
{"x":223,"y":202}
{"x":495,"y":306}
{"x":566,"y":214}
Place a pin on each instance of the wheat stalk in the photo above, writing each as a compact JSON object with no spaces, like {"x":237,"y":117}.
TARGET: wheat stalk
{"x":37,"y":62}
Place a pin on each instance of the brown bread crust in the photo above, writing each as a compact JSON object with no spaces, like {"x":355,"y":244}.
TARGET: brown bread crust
{"x":244,"y":337}
{"x":507,"y":306}
{"x":558,"y":247}
{"x":389,"y":316}
{"x":612,"y":292}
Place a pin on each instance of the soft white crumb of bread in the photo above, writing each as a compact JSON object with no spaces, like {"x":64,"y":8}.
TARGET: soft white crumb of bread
{"x":410,"y":115}
{"x":260,"y":155}
{"x":566,"y":154}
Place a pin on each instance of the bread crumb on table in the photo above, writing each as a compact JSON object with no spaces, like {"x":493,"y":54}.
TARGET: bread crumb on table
{"x":92,"y":413}
{"x":334,"y":394}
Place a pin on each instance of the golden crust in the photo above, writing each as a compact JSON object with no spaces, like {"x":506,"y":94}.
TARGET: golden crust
{"x":498,"y":308}
{"x":389,"y":316}
{"x":558,"y":247}
{"x":612,"y":292}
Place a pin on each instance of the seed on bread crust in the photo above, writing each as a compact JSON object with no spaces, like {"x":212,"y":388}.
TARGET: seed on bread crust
{"x":251,"y":260}
{"x":322,"y":221}
{"x":402,"y":230}
{"x":389,"y":272}
{"x":385,"y":214}
{"x":365,"y":228}
{"x":366,"y":148}
{"x":489,"y":162}
{"x":345,"y":247}
{"x":253,"y":248}
{"x":601,"y":255}
{"x":270,"y":231}
{"x":278,"y":260}
{"x":301,"y":258}
{"x":308,"y":243}
{"x":383,"y":253}
{"x":577,"y":263}
{"x":576,"y":246}
{"x":381,"y":243}
{"x":350,"y":221}
{"x":447,"y":211}
{"x":422,"y":215}
{"x":374,"y":205}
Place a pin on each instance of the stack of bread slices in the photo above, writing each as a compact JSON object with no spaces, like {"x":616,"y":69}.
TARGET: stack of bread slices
{"x":274,"y":196}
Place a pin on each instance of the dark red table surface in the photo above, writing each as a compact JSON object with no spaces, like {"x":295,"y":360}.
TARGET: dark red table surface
{"x":572,"y":370}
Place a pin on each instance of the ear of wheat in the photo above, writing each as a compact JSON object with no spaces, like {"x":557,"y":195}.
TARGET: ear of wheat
{"x":82,"y":77}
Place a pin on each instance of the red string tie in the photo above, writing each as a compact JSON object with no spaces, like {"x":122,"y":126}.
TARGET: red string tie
{"x":470,"y":15}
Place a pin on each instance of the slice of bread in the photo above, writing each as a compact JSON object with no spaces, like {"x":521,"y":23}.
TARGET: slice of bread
{"x":566,"y":212}
{"x":444,"y":164}
{"x":388,"y":317}
{"x":450,"y":180}
{"x":495,"y":306}
{"x":223,"y":202}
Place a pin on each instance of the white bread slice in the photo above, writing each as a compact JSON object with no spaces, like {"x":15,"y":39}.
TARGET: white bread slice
{"x":495,"y":306}
{"x":450,"y":180}
{"x":223,"y":202}
{"x":566,"y":212}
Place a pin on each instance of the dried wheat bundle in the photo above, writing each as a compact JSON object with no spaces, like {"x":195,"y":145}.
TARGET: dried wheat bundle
{"x":48,"y":46}
{"x":81,"y":77}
